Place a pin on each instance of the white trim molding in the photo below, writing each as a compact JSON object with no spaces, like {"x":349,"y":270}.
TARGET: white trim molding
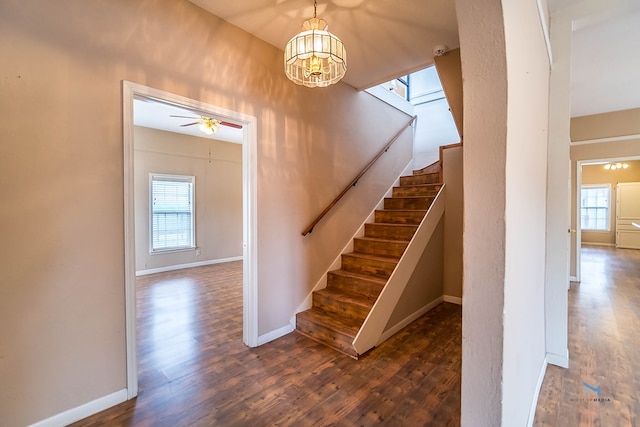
{"x":558,"y":360}
{"x":452,"y":299}
{"x":409,"y":319}
{"x":609,"y":139}
{"x":83,"y":411}
{"x":534,"y":402}
{"x":274,"y":335}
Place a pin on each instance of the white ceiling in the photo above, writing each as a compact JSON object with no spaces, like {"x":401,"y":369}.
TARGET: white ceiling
{"x":384,"y":39}
{"x":605,"y":64}
{"x":157,"y":115}
{"x":605,"y":54}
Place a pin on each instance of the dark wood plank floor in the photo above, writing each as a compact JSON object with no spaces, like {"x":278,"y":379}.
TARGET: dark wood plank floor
{"x":195,"y":371}
{"x":604,"y":347}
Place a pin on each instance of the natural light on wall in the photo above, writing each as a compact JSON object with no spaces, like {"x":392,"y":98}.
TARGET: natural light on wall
{"x":315,"y":57}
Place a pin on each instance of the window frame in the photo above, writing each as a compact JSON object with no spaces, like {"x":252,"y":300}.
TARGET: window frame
{"x":608,"y":208}
{"x":172,"y":178}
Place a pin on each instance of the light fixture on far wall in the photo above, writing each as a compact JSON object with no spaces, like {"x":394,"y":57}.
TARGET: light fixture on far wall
{"x":614,"y":166}
{"x":314,"y":57}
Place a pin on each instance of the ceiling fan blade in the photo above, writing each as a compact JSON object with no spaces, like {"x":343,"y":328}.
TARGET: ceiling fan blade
{"x":231,"y":125}
{"x":189,"y":124}
{"x":185,"y":117}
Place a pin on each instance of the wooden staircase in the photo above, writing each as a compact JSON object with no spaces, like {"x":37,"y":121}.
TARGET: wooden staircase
{"x":339,"y":310}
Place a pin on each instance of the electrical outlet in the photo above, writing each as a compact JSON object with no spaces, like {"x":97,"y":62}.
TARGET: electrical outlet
{"x":197,"y":252}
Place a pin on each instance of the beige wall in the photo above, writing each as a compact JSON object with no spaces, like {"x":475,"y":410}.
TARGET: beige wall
{"x":606,"y":125}
{"x":506,"y":80}
{"x":62,"y":253}
{"x":425,"y":284}
{"x":485,"y":89}
{"x":453,"y":216}
{"x":217,"y":167}
{"x":450,"y":71}
{"x":597,"y":174}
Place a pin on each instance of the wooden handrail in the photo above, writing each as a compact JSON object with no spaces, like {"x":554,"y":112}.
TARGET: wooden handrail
{"x":309,"y":229}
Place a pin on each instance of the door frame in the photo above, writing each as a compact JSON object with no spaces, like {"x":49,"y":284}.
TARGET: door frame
{"x":130,"y":91}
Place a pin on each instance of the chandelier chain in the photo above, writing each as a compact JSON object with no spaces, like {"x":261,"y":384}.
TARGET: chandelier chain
{"x":315,"y":7}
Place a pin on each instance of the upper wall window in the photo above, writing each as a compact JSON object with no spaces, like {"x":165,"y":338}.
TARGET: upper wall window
{"x":172,"y":212}
{"x":399,"y":86}
{"x":595,"y":207}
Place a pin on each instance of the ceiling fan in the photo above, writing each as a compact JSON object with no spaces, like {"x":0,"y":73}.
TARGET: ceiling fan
{"x":207,"y":125}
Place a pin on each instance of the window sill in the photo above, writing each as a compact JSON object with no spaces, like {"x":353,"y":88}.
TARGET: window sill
{"x":172,"y":251}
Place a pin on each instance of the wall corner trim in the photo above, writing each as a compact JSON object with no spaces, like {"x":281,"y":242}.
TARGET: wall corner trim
{"x":406,"y":321}
{"x":558,"y":360}
{"x":452,"y":299}
{"x":83,"y":411}
{"x":534,"y":401}
{"x":273,"y":335}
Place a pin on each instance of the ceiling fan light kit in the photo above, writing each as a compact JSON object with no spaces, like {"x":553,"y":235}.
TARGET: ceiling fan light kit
{"x":314,"y":57}
{"x":208,"y":125}
{"x":614,"y":166}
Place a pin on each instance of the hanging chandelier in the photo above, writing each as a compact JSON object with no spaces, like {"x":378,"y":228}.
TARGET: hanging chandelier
{"x":314,"y":57}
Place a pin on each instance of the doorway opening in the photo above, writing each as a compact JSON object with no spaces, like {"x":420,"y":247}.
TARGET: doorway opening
{"x":603,"y":177}
{"x":132,"y":91}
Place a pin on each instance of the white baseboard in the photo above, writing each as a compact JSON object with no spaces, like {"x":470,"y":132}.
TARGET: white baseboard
{"x":558,"y":360}
{"x":534,"y":403}
{"x":453,"y":300}
{"x":189,"y":265}
{"x":84,"y":411}
{"x":609,"y":245}
{"x":273,"y":335}
{"x":396,"y":328}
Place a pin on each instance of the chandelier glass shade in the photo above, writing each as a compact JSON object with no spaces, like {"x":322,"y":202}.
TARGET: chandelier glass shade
{"x":315,"y":57}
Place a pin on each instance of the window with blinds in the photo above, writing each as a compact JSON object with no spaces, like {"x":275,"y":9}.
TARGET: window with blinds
{"x":594,"y":207}
{"x":172,"y":212}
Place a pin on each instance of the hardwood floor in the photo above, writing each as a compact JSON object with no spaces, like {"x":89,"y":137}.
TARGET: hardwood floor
{"x":195,"y":371}
{"x":604,"y":347}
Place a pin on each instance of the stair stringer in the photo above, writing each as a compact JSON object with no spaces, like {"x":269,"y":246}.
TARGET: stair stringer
{"x":337,"y":262}
{"x":373,"y":326}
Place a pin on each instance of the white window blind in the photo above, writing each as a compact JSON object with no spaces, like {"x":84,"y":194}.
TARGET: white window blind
{"x":172,"y":212}
{"x":594,"y":207}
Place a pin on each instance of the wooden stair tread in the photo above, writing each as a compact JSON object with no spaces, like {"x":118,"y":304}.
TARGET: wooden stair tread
{"x":337,"y":324}
{"x":432,"y":184}
{"x":411,"y":197}
{"x":382,"y":258}
{"x":400,"y":210}
{"x":393,"y":224}
{"x":347,"y":297}
{"x":381,"y":240}
{"x":359,"y":276}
